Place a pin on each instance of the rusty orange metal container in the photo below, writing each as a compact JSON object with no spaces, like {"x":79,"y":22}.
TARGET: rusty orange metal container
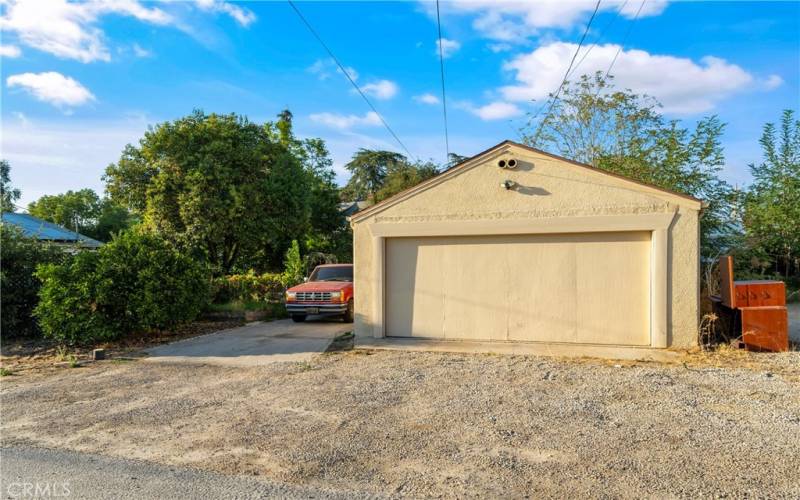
{"x":760,"y":293}
{"x":765,"y":328}
{"x":758,"y":307}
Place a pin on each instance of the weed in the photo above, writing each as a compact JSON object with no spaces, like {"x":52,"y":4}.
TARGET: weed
{"x":305,"y":366}
{"x":5,"y":372}
{"x":73,"y":361}
{"x":62,"y":353}
{"x":343,"y":336}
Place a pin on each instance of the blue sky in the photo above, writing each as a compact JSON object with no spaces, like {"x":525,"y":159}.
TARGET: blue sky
{"x":79,"y":81}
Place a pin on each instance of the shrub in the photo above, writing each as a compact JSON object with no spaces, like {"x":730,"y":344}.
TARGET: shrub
{"x":294,"y":270}
{"x":135,"y":283}
{"x":249,"y":287}
{"x":19,"y":287}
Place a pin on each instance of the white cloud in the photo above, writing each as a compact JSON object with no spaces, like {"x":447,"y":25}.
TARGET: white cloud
{"x":497,"y":110}
{"x":680,"y":84}
{"x":772,"y":82}
{"x":52,"y":87}
{"x":340,"y":121}
{"x":138,"y":51}
{"x":70,"y":30}
{"x":10,"y":51}
{"x":323,"y":68}
{"x":381,"y":89}
{"x":23,"y":120}
{"x":512,"y":21}
{"x":241,"y":15}
{"x":500,"y":47}
{"x":427,"y":99}
{"x":449,"y":47}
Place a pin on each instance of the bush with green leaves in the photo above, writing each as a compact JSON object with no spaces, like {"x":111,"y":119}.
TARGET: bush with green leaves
{"x":136,"y":283}
{"x":19,"y":287}
{"x":249,"y":287}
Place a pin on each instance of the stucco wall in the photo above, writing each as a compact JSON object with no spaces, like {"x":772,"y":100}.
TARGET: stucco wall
{"x":547,"y":188}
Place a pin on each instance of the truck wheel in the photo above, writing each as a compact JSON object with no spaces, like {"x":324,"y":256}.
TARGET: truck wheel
{"x":298,"y":318}
{"x":348,"y":315}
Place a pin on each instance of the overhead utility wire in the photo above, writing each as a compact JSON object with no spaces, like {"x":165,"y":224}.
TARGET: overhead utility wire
{"x":566,"y":74}
{"x":625,"y":40}
{"x":444,"y":94}
{"x":349,"y":78}
{"x":599,"y":37}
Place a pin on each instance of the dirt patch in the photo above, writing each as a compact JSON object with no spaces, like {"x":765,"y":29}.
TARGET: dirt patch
{"x":26,"y":355}
{"x":433,"y":424}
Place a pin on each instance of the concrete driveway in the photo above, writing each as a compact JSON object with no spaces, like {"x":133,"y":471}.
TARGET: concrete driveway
{"x":255,"y":344}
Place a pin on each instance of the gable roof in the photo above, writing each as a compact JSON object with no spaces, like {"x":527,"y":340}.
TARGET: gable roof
{"x":34,"y":227}
{"x":473,"y":160}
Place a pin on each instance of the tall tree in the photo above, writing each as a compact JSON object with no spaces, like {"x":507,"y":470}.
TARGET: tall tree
{"x":772,"y":207}
{"x":219,"y":185}
{"x":401,"y":176}
{"x":327,"y":231}
{"x":75,"y":210}
{"x":83,"y":211}
{"x":8,"y":194}
{"x":623,"y":132}
{"x":368,"y":169}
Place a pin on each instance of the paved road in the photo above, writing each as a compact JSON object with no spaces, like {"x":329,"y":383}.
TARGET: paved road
{"x":254,"y":344}
{"x":794,"y":321}
{"x":65,"y":474}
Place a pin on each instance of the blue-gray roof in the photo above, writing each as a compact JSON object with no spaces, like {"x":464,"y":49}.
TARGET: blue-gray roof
{"x":33,"y":227}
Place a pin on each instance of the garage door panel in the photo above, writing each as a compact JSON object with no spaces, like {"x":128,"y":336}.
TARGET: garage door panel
{"x":586,"y":288}
{"x":415,"y":297}
{"x":541,"y":299}
{"x":473,"y":279}
{"x":613,"y":283}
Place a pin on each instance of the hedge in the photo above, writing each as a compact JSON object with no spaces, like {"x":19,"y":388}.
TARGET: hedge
{"x":136,"y":283}
{"x":19,"y":288}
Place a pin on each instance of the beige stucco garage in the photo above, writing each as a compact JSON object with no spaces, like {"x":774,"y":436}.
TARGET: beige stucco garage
{"x":564,"y":254}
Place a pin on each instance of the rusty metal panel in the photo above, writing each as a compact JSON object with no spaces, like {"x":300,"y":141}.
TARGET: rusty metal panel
{"x":765,"y":328}
{"x":760,"y":293}
{"x":726,"y":281}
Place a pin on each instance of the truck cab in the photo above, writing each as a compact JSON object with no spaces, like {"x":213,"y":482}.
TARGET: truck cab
{"x":328,"y":291}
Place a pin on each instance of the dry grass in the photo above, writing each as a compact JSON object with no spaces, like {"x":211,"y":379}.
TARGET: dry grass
{"x":25,"y":355}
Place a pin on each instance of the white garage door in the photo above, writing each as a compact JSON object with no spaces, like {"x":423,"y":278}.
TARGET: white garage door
{"x":589,"y":288}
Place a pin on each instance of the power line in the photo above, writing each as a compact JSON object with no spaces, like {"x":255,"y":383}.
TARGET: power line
{"x":566,"y":74}
{"x":625,"y":40}
{"x":444,"y":94}
{"x":599,"y":37}
{"x":349,"y":78}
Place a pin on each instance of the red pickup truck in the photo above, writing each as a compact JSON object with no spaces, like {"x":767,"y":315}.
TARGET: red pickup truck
{"x":328,"y":291}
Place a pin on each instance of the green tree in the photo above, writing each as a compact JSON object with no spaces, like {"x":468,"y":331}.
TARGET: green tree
{"x":623,"y":132}
{"x":82,"y":211}
{"x":75,"y":210}
{"x":8,"y":193}
{"x":368,"y":169}
{"x":454,"y":159}
{"x":19,"y":287}
{"x":401,"y":176}
{"x":220,"y":186}
{"x":772,"y":206}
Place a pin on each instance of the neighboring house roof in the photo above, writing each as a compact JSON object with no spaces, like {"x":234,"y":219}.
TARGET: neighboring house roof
{"x":34,"y":227}
{"x":348,"y":208}
{"x":473,"y":160}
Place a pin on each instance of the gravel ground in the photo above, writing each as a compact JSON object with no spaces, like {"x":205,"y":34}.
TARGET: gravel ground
{"x":84,"y":475}
{"x":433,"y":424}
